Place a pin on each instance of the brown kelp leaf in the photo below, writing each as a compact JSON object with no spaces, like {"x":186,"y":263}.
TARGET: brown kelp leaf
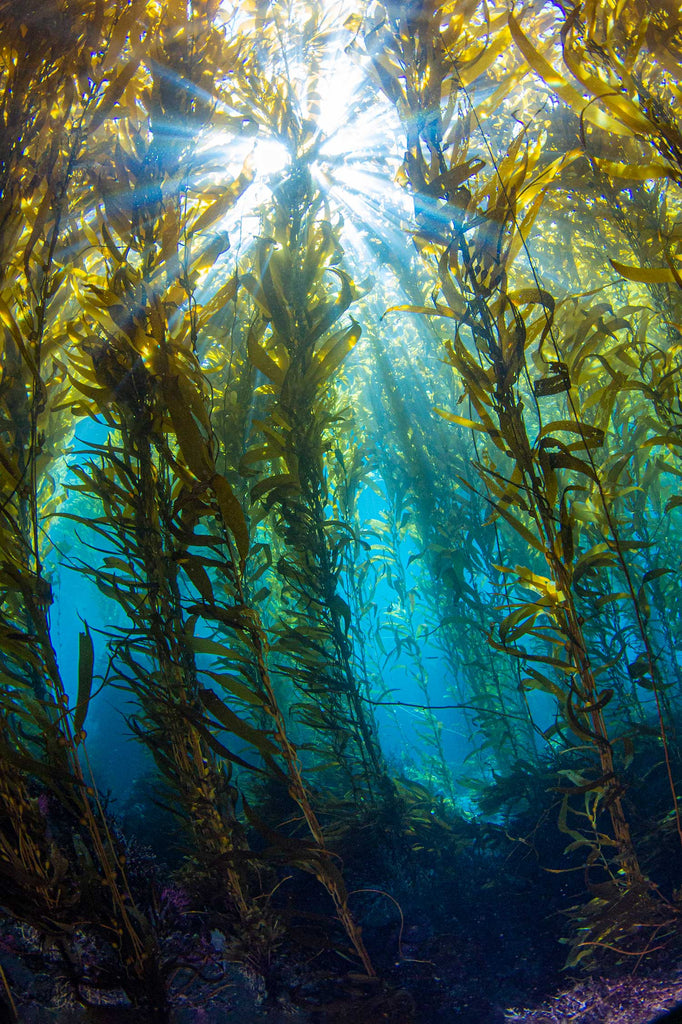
{"x":591,"y":436}
{"x":113,"y":93}
{"x":131,"y":16}
{"x":198,"y":576}
{"x":231,"y":513}
{"x":236,"y":687}
{"x":554,"y":383}
{"x":194,"y":446}
{"x":280,"y":480}
{"x":86,"y":660}
{"x":236,"y":725}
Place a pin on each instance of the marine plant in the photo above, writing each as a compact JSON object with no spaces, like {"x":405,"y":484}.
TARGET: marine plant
{"x":474,"y":233}
{"x":178,"y":536}
{"x":297,"y":343}
{"x":55,"y":881}
{"x":319,"y":468}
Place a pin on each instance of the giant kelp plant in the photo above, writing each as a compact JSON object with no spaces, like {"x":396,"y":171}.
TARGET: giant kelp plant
{"x":340,"y":427}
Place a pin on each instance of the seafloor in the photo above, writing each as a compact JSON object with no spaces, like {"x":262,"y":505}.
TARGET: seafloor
{"x":468,"y":920}
{"x":624,"y":998}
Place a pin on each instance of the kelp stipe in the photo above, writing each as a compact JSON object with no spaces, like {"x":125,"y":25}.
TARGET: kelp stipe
{"x":473,"y":267}
{"x":62,"y":869}
{"x":403,"y":637}
{"x":155,"y":477}
{"x":612,"y":50}
{"x":298,"y":349}
{"x":176,"y":528}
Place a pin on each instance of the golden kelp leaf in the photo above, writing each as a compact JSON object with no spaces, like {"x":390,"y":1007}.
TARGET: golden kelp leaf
{"x":101,"y":397}
{"x":591,"y":436}
{"x":275,"y":290}
{"x":522,"y":530}
{"x":426,"y":311}
{"x":327,"y":313}
{"x":332,"y":354}
{"x":226,"y":293}
{"x":618,"y":103}
{"x":454,"y":298}
{"x":213,"y":249}
{"x":541,"y":183}
{"x":193,"y":445}
{"x":316,"y":256}
{"x":645,"y":275}
{"x":555,"y":81}
{"x":523,"y":655}
{"x":519,"y":622}
{"x":232,"y":514}
{"x":462,"y":421}
{"x":220,"y":206}
{"x":542,"y":585}
{"x":111,"y":244}
{"x":539,"y":681}
{"x":264,"y":362}
{"x":633,"y":172}
{"x":7,"y":318}
{"x":595,"y":558}
{"x":471,"y":71}
{"x":40,"y":219}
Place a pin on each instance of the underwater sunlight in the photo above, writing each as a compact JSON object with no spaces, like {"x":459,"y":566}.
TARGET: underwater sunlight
{"x":340,"y":461}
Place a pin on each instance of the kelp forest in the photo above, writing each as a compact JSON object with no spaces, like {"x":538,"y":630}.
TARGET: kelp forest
{"x":340,"y":510}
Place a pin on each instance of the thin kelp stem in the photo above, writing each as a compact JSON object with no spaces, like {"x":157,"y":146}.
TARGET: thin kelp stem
{"x":605,"y":504}
{"x":301,"y":293}
{"x":472,"y":274}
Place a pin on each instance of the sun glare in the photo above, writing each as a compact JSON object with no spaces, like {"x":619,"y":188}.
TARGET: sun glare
{"x":350,"y":125}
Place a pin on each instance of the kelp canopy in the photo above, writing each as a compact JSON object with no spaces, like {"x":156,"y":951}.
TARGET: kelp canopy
{"x":340,"y":427}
